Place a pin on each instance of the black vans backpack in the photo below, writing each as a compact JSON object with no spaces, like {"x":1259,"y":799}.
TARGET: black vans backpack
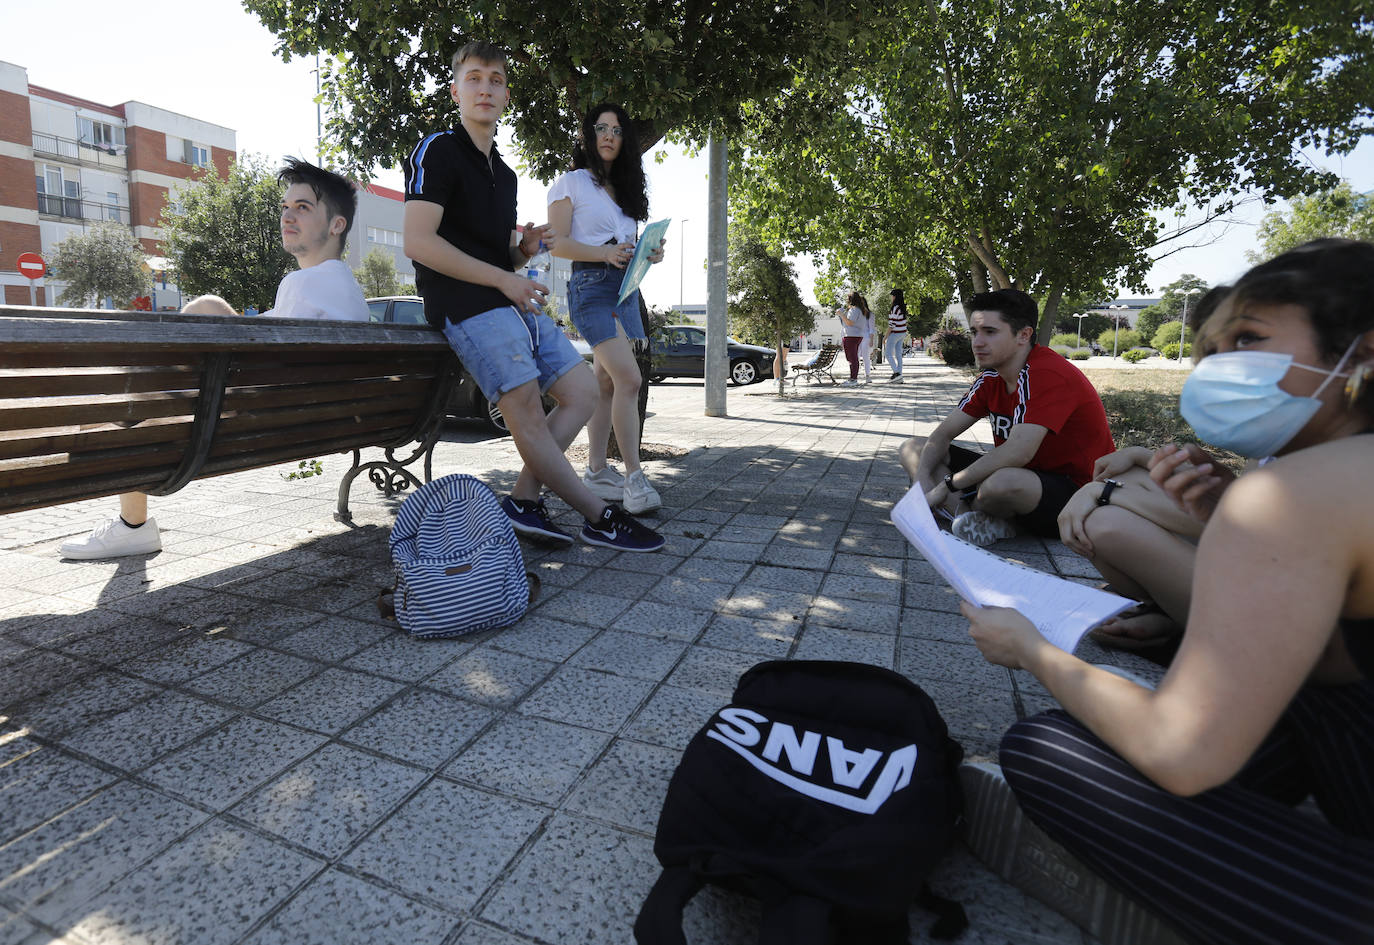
{"x":827,"y":790}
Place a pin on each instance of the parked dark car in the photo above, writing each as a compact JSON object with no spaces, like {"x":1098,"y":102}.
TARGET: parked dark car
{"x":680,"y":351}
{"x":467,"y":399}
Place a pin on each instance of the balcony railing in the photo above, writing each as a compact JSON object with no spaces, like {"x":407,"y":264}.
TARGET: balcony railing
{"x":84,"y":152}
{"x":75,"y":208}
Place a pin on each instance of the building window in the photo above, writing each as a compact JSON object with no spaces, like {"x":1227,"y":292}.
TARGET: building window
{"x":58,"y":195}
{"x":112,"y":207}
{"x":200,"y":155}
{"x":384,"y":237}
{"x":101,"y":134}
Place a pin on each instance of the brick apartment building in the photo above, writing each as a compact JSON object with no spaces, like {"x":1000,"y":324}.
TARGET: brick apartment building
{"x":67,"y":163}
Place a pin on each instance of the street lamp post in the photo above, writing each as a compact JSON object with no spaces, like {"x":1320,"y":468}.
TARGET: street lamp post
{"x":1183,"y":330}
{"x":681,"y":254}
{"x":1080,"y":328}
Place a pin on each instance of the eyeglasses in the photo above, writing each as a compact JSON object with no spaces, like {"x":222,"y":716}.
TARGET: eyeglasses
{"x":602,"y":128}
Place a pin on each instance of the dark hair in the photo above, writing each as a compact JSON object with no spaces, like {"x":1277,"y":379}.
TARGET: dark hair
{"x":1016,"y":308}
{"x":337,"y":194}
{"x":480,"y":50}
{"x":1333,"y":279}
{"x":626,"y":175}
{"x":898,"y":300}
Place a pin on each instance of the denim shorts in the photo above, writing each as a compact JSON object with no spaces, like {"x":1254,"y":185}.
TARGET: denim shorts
{"x":593,"y":309}
{"x":503,"y":348}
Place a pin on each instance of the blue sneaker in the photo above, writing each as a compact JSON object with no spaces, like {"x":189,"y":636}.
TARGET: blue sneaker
{"x":617,"y":529}
{"x":531,"y":520}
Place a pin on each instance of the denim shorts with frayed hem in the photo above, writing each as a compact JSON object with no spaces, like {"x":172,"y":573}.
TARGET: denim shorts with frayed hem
{"x":592,"y":305}
{"x":503,"y":348}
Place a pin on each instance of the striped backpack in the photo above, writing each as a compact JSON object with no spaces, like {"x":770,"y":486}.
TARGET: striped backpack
{"x":458,"y":564}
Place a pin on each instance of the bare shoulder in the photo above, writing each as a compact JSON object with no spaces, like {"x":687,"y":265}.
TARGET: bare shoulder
{"x":1323,"y":488}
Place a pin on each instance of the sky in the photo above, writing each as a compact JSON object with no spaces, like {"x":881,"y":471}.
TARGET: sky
{"x":213,"y":60}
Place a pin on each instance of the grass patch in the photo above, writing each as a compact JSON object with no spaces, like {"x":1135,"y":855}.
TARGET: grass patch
{"x":1142,"y":408}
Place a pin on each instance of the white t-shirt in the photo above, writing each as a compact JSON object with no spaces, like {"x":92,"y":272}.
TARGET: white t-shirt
{"x":596,"y":219}
{"x":860,"y":327}
{"x":324,"y":291}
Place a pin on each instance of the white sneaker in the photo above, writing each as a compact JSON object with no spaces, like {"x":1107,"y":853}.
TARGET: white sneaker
{"x":982,"y":529}
{"x":606,"y":483}
{"x":639,"y":496}
{"x":849,"y":383}
{"x":1006,"y":841}
{"x":114,"y":539}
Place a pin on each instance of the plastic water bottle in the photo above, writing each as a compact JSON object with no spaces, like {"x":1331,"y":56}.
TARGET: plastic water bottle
{"x":538,"y":266}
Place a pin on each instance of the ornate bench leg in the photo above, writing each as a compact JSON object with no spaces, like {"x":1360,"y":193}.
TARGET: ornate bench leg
{"x":388,"y":475}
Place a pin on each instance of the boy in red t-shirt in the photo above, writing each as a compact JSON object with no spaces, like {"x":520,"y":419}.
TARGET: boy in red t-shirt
{"x":1048,"y":428}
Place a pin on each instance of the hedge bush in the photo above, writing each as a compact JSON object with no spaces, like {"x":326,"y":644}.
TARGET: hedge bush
{"x":954,"y":347}
{"x":1125,"y":339}
{"x":1079,"y":355}
{"x":1067,"y":341}
{"x":1137,"y":354}
{"x":1166,"y":333}
{"x":1170,"y":351}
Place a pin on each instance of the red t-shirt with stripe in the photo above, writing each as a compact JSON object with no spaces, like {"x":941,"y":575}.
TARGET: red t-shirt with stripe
{"x":1051,"y":393}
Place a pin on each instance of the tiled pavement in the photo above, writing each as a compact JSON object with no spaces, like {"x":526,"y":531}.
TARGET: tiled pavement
{"x":221,"y":743}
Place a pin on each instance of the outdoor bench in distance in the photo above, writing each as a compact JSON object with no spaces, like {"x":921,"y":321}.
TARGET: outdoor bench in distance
{"x":95,"y":403}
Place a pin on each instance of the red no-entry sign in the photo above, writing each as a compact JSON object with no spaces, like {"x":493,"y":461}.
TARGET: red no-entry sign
{"x":32,"y":265}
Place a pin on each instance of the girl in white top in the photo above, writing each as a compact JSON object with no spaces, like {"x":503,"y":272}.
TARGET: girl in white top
{"x":858,"y":326}
{"x":594,"y":209}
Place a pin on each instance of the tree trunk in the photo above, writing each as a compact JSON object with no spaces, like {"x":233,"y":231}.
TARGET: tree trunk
{"x":779,"y":361}
{"x":1049,"y":314}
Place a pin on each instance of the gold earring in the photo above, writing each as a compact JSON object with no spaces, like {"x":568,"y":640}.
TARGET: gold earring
{"x":1354,"y":385}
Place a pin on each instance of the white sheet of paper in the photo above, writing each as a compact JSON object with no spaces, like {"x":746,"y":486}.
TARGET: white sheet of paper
{"x":1061,"y":610}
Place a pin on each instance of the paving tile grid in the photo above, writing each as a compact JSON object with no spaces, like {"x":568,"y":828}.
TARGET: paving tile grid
{"x":223,"y":742}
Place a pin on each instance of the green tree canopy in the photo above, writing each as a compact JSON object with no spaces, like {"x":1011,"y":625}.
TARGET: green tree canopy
{"x":680,"y":67}
{"x":1337,"y":211}
{"x":377,"y":275}
{"x":765,"y":305}
{"x":104,"y":261}
{"x":1026,"y":143}
{"x":224,"y":235}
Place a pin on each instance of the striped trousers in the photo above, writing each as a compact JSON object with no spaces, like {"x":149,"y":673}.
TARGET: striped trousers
{"x":1236,"y":864}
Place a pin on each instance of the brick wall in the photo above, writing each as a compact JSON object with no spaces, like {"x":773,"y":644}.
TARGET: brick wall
{"x":19,"y":295}
{"x":15,"y":123}
{"x":146,"y":202}
{"x":17,"y":185}
{"x":16,"y":238}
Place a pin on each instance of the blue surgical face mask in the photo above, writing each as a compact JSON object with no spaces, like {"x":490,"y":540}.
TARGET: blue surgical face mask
{"x":1234,"y":401}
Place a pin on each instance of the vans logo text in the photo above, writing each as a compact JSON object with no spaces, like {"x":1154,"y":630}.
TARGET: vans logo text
{"x":742,"y":731}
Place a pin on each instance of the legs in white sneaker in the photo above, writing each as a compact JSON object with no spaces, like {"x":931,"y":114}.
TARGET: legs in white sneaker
{"x":639,"y":496}
{"x":114,"y":539}
{"x":606,"y":483}
{"x":982,"y":529}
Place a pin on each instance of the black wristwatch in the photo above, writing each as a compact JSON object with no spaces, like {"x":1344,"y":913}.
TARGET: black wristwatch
{"x":1105,"y":498}
{"x":949,"y":483}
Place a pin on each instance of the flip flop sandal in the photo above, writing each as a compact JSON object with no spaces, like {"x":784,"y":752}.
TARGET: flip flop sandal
{"x":1130,"y":642}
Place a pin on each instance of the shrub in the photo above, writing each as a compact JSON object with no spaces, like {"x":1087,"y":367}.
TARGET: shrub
{"x":1067,"y":341}
{"x":1061,"y":349}
{"x":1125,"y":339}
{"x":1137,"y":354}
{"x":1170,"y":351}
{"x":1166,"y":333}
{"x":954,"y":347}
{"x":1079,"y":355}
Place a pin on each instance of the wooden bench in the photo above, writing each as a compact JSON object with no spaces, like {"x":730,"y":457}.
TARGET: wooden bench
{"x":95,"y":403}
{"x":818,"y":368}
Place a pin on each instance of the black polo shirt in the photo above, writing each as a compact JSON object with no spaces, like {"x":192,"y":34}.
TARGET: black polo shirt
{"x":478,"y":197}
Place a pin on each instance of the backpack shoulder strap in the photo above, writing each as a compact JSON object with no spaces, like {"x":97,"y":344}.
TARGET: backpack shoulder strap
{"x":660,"y":918}
{"x":788,"y":918}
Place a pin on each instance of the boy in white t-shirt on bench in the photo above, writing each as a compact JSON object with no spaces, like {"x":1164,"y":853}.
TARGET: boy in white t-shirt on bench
{"x":317,"y":212}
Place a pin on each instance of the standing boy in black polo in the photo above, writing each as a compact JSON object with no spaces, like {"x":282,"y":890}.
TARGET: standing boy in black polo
{"x":460,"y":231}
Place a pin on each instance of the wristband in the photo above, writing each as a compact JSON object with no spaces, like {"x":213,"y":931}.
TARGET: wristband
{"x":1105,"y":497}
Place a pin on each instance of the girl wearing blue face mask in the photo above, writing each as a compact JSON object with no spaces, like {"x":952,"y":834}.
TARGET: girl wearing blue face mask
{"x":1182,"y":796}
